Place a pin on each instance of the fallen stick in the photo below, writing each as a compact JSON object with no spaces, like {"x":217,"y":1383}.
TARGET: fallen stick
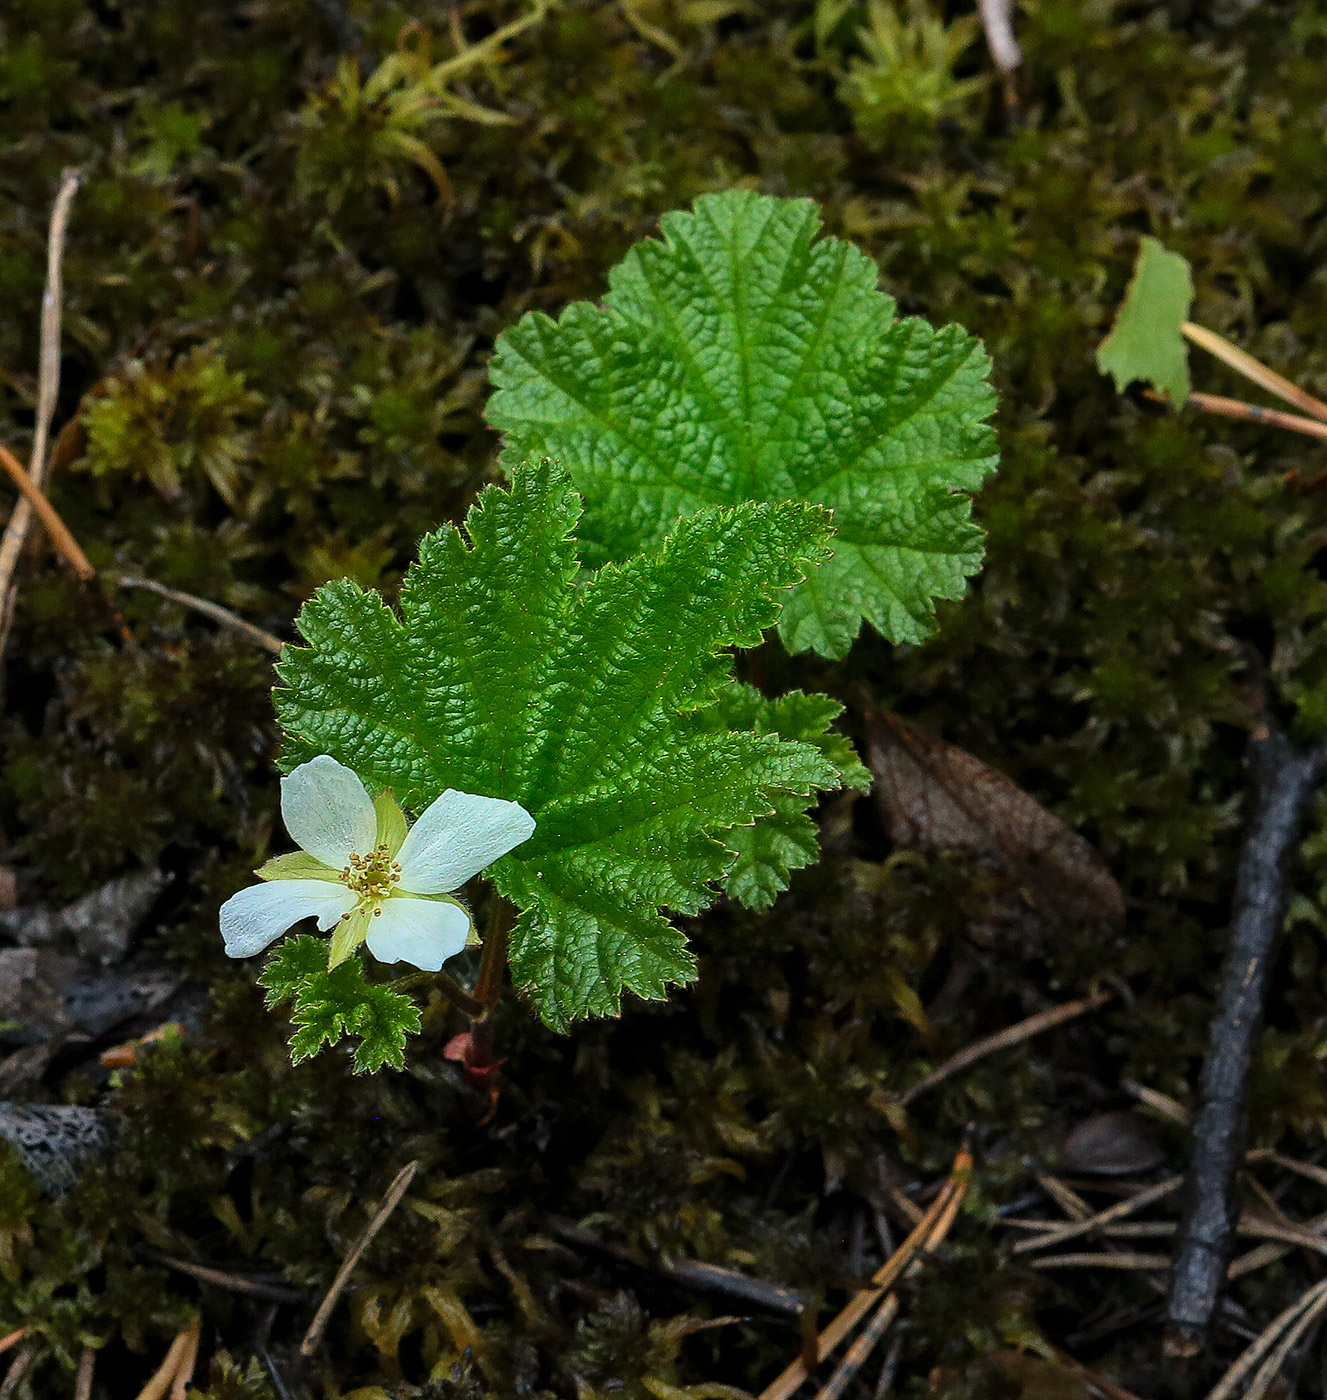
{"x":1311,"y":1311}
{"x":1103,"y":1261}
{"x":61,"y":537}
{"x":688,"y":1273}
{"x":389,"y":1203}
{"x":1256,"y":413}
{"x":232,"y":1283}
{"x":184,"y":1372}
{"x":18,"y":1368}
{"x":1002,"y":1040}
{"x":1283,"y":779}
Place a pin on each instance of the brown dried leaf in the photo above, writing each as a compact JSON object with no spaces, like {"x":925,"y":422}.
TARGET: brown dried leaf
{"x":937,"y":797}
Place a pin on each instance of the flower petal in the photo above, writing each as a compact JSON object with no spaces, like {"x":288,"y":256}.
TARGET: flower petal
{"x":423,"y":932}
{"x":456,"y":837}
{"x":260,"y":914}
{"x":327,"y":811}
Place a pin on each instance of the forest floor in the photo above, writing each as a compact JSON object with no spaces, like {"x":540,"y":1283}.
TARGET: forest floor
{"x":281,"y":290}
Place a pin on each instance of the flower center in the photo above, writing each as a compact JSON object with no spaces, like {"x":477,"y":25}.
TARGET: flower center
{"x":372,"y":876}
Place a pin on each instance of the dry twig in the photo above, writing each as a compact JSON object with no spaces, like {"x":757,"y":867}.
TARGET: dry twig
{"x":233,"y":1283}
{"x":213,"y":610}
{"x":59,"y":532}
{"x":1256,"y":413}
{"x":64,"y":542}
{"x":48,"y":388}
{"x":688,"y":1273}
{"x":1002,"y":1040}
{"x":1103,"y":1261}
{"x":11,"y":1339}
{"x":1161,"y":1103}
{"x":389,"y":1203}
{"x":1107,"y":1388}
{"x":1267,"y":1373}
{"x":997,"y":22}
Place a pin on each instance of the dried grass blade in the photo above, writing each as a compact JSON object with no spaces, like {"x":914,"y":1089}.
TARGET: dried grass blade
{"x":61,"y":537}
{"x":1244,"y":363}
{"x":389,"y":1203}
{"x":1265,"y":1341}
{"x":1271,"y":1368}
{"x":1105,"y":1217}
{"x":927,"y":1235}
{"x":48,"y":388}
{"x":858,"y":1353}
{"x":1002,"y":1040}
{"x":87,"y":1365}
{"x":215,"y":611}
{"x":165,"y":1374}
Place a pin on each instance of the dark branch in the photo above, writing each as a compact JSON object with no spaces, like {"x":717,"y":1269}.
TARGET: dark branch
{"x":1283,"y":779}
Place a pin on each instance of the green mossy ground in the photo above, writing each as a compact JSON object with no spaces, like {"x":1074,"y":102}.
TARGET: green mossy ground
{"x":277,"y":323}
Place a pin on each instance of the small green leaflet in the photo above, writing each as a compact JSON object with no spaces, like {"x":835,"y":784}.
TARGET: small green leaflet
{"x":1146,"y":342}
{"x":771,"y":849}
{"x":745,"y":358}
{"x":330,"y":1005}
{"x":590,"y":703}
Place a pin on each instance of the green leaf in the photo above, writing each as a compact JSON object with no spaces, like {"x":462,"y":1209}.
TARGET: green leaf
{"x":770,"y":849}
{"x":331,"y":1005}
{"x":1146,"y":342}
{"x":291,"y":964}
{"x":586,"y":704}
{"x":744,"y":358}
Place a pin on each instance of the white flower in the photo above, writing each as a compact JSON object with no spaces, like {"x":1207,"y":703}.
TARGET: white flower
{"x":362,"y":868}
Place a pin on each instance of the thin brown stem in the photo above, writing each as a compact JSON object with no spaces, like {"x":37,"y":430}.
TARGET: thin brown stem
{"x":1249,"y":412}
{"x":493,"y":962}
{"x":215,"y":611}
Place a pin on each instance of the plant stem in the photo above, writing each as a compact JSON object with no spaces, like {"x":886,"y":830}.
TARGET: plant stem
{"x":493,"y":963}
{"x":480,"y":1063}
